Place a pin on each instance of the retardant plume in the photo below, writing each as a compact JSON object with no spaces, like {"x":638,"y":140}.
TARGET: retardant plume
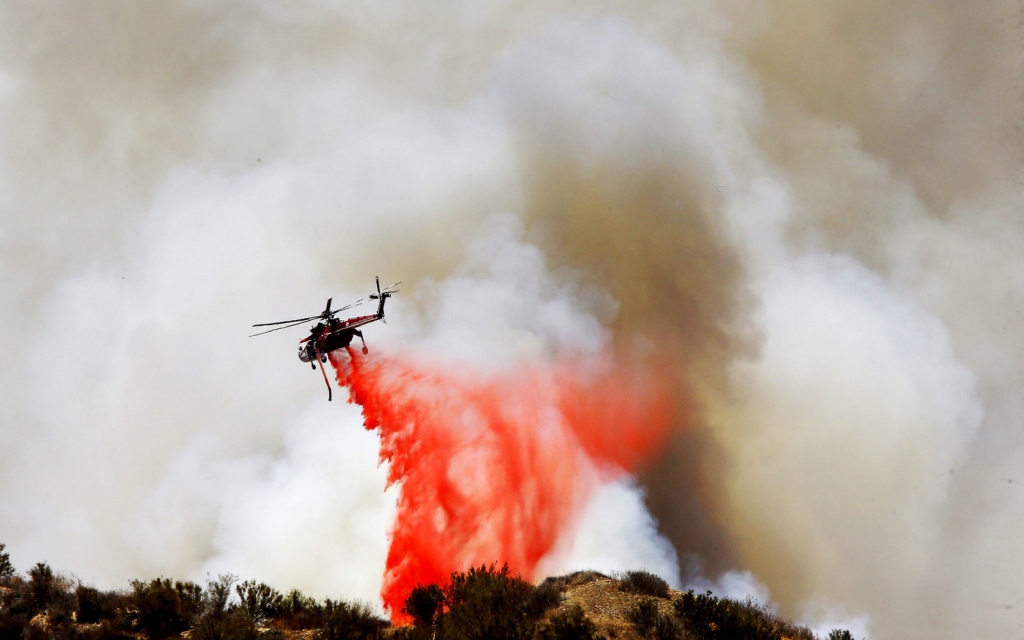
{"x":494,"y":468}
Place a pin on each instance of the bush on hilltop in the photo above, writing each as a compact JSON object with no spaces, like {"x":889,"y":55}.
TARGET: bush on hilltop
{"x":482,"y":603}
{"x":709,"y":618}
{"x":644,"y":583}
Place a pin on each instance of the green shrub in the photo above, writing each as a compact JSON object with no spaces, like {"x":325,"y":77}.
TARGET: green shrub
{"x":424,"y":603}
{"x":545,"y":596}
{"x":709,"y":618}
{"x":667,"y":628}
{"x":644,"y":616}
{"x":297,"y":611}
{"x":23,"y":617}
{"x":95,"y":605}
{"x":60,"y":614}
{"x":224,"y":624}
{"x":644,"y":583}
{"x":700,"y":613}
{"x":162,"y":609}
{"x":258,"y":601}
{"x":486,"y":603}
{"x":13,"y":612}
{"x":345,"y":621}
{"x":218,"y":592}
{"x":43,"y":588}
{"x":573,"y":579}
{"x":191,"y":599}
{"x":840,"y":634}
{"x":43,"y":592}
{"x":6,"y":568}
{"x":482,"y":603}
{"x":571,"y":624}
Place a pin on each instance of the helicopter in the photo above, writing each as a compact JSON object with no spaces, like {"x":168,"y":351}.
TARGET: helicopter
{"x":330,"y":334}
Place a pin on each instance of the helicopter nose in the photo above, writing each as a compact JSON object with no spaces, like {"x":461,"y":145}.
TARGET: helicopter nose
{"x":303,"y":354}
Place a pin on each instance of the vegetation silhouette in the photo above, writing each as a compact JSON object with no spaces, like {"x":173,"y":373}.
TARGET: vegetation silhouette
{"x":644,"y":583}
{"x":483,"y":603}
{"x":709,"y":618}
{"x":569,"y":624}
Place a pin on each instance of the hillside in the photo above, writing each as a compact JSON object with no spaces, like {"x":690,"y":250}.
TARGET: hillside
{"x":640,"y":606}
{"x":485,"y":603}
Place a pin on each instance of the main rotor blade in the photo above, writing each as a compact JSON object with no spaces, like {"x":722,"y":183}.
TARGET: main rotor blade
{"x":270,"y":324}
{"x":348,"y":306}
{"x":284,"y":327}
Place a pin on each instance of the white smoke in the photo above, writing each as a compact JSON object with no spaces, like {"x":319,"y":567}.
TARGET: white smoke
{"x":314,"y":516}
{"x":502,"y":306}
{"x":822,"y":617}
{"x":735,"y":585}
{"x":614,"y":534}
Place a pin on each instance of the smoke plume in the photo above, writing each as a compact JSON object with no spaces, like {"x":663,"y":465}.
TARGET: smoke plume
{"x":805,"y":214}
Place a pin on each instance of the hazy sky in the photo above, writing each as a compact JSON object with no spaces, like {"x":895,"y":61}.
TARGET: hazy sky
{"x":813,"y":209}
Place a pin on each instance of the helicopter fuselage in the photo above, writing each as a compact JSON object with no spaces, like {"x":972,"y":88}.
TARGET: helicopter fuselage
{"x":328,"y":342}
{"x":324,"y":339}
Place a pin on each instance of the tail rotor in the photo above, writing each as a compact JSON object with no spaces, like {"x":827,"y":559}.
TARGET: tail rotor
{"x":383,"y":295}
